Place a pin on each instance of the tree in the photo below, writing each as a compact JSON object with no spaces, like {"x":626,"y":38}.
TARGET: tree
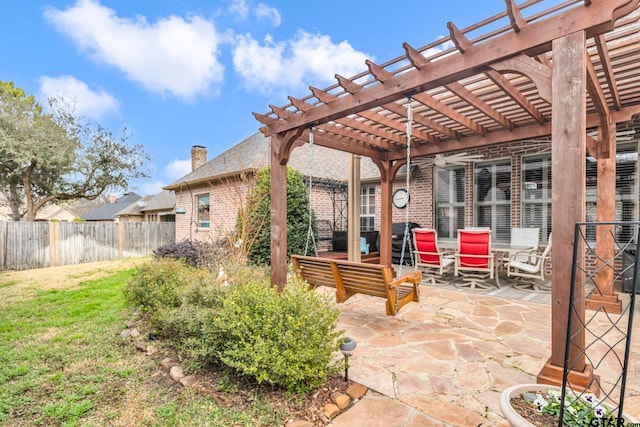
{"x":298,"y":211}
{"x":57,"y":156}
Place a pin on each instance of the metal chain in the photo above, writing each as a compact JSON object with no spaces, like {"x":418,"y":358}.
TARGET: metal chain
{"x":405,"y":237}
{"x":310,"y":235}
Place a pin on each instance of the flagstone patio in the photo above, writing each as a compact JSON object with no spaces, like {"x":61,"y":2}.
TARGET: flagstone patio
{"x":445,"y":360}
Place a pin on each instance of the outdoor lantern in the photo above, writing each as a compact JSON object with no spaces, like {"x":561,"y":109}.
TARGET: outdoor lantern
{"x":347,"y":346}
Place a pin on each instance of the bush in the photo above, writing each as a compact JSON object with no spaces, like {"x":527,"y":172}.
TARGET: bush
{"x":287,"y":340}
{"x":258,"y":218}
{"x":195,"y":253}
{"x":156,"y":284}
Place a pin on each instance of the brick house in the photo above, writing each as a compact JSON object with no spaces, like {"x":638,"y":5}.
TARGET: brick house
{"x":209,"y":198}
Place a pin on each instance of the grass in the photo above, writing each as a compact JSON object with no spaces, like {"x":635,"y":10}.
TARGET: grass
{"x":63,"y":363}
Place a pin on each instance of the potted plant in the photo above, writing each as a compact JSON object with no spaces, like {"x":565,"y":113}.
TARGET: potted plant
{"x":530,"y":405}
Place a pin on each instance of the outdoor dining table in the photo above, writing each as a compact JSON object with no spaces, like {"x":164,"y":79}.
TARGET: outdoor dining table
{"x":499,"y":249}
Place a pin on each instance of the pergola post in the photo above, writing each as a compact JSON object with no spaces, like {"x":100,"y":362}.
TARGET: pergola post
{"x":353,"y":210}
{"x":386,"y":212}
{"x":278,"y":213}
{"x":568,"y":202}
{"x":605,"y":297}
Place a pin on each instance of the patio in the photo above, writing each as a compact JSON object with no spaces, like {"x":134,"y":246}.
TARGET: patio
{"x":445,"y":360}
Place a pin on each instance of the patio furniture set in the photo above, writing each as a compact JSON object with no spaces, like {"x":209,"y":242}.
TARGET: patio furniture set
{"x":478,"y":262}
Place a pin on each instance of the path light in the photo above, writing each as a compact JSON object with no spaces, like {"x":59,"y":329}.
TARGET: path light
{"x":347,"y":346}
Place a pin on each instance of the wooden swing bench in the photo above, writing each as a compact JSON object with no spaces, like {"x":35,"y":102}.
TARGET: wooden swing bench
{"x":351,"y":278}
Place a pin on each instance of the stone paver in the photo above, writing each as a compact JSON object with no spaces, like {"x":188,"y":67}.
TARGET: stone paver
{"x":445,"y":360}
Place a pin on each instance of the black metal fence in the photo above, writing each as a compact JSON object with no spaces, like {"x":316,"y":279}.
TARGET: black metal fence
{"x":605,"y":259}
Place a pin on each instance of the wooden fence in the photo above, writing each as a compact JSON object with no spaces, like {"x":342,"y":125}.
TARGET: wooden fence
{"x":26,"y":245}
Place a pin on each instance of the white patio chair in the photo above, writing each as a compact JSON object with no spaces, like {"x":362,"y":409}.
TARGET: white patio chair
{"x":530,"y":270}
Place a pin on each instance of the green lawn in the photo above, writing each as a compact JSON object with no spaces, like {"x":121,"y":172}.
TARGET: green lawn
{"x":64,"y":363}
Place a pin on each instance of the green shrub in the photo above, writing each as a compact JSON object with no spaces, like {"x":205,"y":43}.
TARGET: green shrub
{"x":258,"y":218}
{"x":287,"y":340}
{"x":157,"y":284}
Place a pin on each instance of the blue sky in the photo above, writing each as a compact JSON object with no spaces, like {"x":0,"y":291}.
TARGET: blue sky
{"x":191,"y":72}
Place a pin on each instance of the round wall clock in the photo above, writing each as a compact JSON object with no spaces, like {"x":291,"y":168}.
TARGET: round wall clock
{"x":401,"y":198}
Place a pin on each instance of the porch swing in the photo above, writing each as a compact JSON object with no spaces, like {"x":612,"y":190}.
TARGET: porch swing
{"x":349,"y":278}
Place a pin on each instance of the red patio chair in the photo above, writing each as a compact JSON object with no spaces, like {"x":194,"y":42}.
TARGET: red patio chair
{"x":474,"y":260}
{"x":434,"y":263}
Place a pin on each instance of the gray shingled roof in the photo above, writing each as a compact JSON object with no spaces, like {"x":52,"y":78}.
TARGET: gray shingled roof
{"x":253,"y":153}
{"x":163,"y":201}
{"x":108,"y":212}
{"x":135,"y":208}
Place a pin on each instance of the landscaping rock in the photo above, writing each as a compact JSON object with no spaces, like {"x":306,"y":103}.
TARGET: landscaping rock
{"x":135,"y":333}
{"x":166,"y":364}
{"x":331,"y":410}
{"x":141,"y":346}
{"x":126,"y":333}
{"x":151,"y":350}
{"x":341,"y":400}
{"x":176,"y":373}
{"x":356,"y":391}
{"x":189,"y":381}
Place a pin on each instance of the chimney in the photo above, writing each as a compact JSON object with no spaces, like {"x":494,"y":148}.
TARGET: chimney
{"x":198,"y":156}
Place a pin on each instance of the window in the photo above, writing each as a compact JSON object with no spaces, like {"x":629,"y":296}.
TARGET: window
{"x":626,"y":188}
{"x":493,"y":198}
{"x":449,"y":201}
{"x":204,"y":219}
{"x":536,"y":194}
{"x":367,"y":208}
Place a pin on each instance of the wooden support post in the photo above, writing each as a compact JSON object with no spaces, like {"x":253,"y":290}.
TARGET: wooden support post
{"x":278,"y":214}
{"x":353,"y":210}
{"x":386,"y":218}
{"x":568,"y":203}
{"x":605,"y":296}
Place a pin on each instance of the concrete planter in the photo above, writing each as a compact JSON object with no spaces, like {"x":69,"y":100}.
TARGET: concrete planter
{"x":514,"y":418}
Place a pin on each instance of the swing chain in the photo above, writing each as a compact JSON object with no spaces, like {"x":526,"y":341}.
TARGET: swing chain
{"x":406,"y":236}
{"x":310,"y":235}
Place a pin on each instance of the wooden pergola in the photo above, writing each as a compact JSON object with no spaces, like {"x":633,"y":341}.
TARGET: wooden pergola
{"x":572,"y":67}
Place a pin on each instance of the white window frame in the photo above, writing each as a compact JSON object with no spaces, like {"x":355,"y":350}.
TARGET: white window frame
{"x":367,"y":208}
{"x":203,"y":211}
{"x":450,"y":204}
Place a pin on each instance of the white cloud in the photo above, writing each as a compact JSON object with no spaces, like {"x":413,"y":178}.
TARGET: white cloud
{"x":172,"y":55}
{"x":177,"y":169}
{"x":306,"y":59}
{"x":264,"y":11}
{"x":86,"y":102}
{"x":151,"y":188}
{"x":239,"y":8}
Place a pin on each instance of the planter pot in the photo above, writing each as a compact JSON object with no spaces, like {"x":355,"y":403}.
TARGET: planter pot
{"x":514,"y":418}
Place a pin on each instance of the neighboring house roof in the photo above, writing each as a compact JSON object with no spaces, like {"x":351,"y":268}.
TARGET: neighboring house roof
{"x":163,"y":201}
{"x":253,"y":153}
{"x":46,"y":213}
{"x":50,"y":212}
{"x":108,"y":212}
{"x":135,"y":209}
